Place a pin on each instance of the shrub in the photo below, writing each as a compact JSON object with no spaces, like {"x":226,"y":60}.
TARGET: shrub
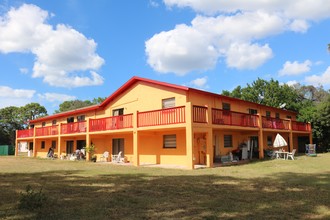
{"x":31,"y":200}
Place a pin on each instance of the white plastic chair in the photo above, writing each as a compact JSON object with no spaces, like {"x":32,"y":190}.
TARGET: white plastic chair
{"x":117,"y":158}
{"x":105,"y":156}
{"x":291,"y":154}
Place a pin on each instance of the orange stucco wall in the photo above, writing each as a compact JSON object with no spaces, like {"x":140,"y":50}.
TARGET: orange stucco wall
{"x":153,"y":151}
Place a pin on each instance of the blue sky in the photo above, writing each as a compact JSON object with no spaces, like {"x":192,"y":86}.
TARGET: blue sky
{"x":54,"y":51}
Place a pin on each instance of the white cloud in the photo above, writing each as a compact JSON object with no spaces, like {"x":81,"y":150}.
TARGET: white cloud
{"x":291,"y":83}
{"x":299,"y":26}
{"x":64,"y":57}
{"x":15,"y":97}
{"x":153,"y":3}
{"x":172,"y":52}
{"x":303,"y":9}
{"x":295,"y":68}
{"x":200,"y":83}
{"x":24,"y":70}
{"x":228,"y":29}
{"x":244,"y":56}
{"x":56,"y":97}
{"x":316,"y":80}
{"x":8,"y":92}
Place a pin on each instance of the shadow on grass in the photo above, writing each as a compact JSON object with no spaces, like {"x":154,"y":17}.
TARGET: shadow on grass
{"x":140,"y":196}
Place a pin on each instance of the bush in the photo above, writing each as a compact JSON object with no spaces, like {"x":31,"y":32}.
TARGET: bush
{"x":31,"y":200}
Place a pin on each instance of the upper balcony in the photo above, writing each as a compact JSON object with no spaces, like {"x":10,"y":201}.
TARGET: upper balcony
{"x":74,"y":127}
{"x":166,"y":116}
{"x":225,"y":117}
{"x":111,"y":123}
{"x":169,"y":116}
{"x":275,"y":123}
{"x":25,"y":133}
{"x":300,"y":126}
{"x":47,"y":131}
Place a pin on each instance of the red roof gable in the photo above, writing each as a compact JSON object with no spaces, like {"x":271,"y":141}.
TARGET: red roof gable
{"x":132,"y":81}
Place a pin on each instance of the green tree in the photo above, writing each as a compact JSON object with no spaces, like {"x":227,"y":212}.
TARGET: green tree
{"x":321,"y":124}
{"x":16,"y":118}
{"x":72,"y":105}
{"x":270,"y":93}
{"x":75,"y":104}
{"x":9,"y":123}
{"x":98,"y":100}
{"x":32,"y":111}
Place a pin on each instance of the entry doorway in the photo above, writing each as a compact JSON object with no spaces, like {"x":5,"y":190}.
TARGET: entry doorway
{"x":81,"y":144}
{"x":302,"y":141}
{"x":254,"y":147}
{"x":117,"y":146}
{"x":69,"y":147}
{"x":200,"y":148}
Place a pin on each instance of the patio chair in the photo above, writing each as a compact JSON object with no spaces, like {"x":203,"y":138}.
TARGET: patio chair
{"x":291,"y":154}
{"x":117,"y":158}
{"x":104,"y":156}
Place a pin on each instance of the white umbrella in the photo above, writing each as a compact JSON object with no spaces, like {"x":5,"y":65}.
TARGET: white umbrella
{"x":279,"y":141}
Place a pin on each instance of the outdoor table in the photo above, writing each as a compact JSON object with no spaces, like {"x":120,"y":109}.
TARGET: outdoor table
{"x":279,"y":154}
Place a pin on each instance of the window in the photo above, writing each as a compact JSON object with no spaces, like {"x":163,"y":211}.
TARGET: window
{"x":277,"y":115}
{"x":268,"y":114}
{"x":43,"y":144}
{"x":54,"y":122}
{"x":43,"y":124}
{"x":168,"y":103}
{"x":228,"y":140}
{"x":70,"y":119}
{"x":169,"y":141}
{"x":288,"y":116}
{"x":269,"y":141}
{"x":117,"y":112}
{"x":54,"y":144}
{"x":226,"y":106}
{"x":32,"y":126}
{"x":253,"y":111}
{"x":81,"y":118}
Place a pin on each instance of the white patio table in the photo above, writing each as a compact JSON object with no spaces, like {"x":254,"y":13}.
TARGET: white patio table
{"x":281,"y":154}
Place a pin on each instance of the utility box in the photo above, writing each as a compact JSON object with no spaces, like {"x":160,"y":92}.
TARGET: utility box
{"x":7,"y":150}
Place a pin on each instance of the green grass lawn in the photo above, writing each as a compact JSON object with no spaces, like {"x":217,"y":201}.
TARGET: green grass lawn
{"x":269,"y":189}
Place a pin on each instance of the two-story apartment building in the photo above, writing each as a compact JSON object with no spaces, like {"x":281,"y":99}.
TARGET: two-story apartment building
{"x":154,"y":122}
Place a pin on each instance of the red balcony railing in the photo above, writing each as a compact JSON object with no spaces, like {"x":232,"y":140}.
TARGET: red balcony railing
{"x":225,"y":117}
{"x":25,"y":133}
{"x":74,"y":127}
{"x":166,"y":116}
{"x":275,"y":123}
{"x":199,"y":114}
{"x":47,"y":131}
{"x":300,"y":126}
{"x":111,"y":123}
